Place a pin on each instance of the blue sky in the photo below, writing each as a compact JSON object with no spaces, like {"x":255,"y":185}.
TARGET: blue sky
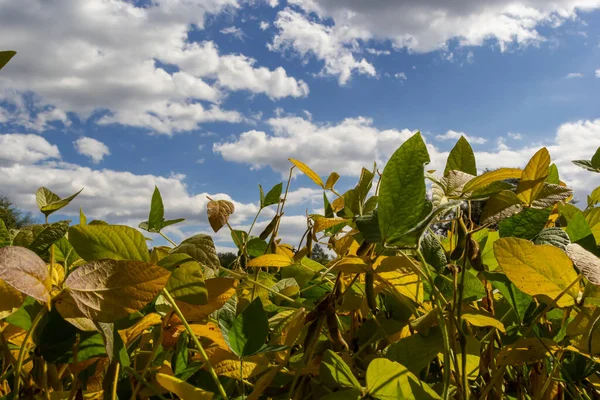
{"x":210,"y":97}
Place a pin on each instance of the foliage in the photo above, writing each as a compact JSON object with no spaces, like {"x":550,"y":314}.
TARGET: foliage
{"x":12,"y":217}
{"x":503,"y":303}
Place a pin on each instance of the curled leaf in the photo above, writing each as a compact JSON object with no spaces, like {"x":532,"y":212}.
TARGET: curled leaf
{"x":218,"y":213}
{"x":586,"y":262}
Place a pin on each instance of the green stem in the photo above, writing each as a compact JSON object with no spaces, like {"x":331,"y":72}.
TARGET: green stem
{"x":155,"y":347}
{"x":197,"y":343}
{"x":167,"y":239}
{"x":115,"y":382}
{"x":40,"y":315}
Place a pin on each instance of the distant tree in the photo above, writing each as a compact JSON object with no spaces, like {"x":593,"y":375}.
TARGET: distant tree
{"x":12,"y":217}
{"x":319,"y":255}
{"x":226,"y":258}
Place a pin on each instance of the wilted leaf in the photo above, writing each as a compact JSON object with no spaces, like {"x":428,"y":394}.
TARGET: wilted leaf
{"x":525,"y":350}
{"x":202,"y":248}
{"x":271,"y":260}
{"x":586,"y":262}
{"x":133,"y":332}
{"x":25,"y":271}
{"x":402,"y":194}
{"x":322,"y":223}
{"x":117,"y":242}
{"x":551,"y":195}
{"x":108,"y":290}
{"x":331,"y":181}
{"x":553,"y":236}
{"x":219,"y":291}
{"x":537,"y":270}
{"x":218,"y":213}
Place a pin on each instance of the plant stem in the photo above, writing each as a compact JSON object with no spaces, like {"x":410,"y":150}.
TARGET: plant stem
{"x":40,"y":315}
{"x":115,"y":382}
{"x":167,"y":239}
{"x":147,"y":384}
{"x":197,"y":343}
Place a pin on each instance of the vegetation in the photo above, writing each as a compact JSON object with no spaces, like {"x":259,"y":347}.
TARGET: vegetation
{"x":399,"y":312}
{"x":12,"y":217}
{"x":504,"y":305}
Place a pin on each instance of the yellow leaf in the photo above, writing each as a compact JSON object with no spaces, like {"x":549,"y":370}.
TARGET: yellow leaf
{"x":525,"y":350}
{"x":322,"y":223}
{"x":406,"y":283}
{"x":158,"y":253}
{"x":486,"y":179}
{"x":218,"y":212}
{"x":285,"y":249}
{"x":264,"y":382}
{"x":209,"y":331}
{"x":10,"y":299}
{"x":350,"y":265}
{"x":184,"y":390}
{"x":219,"y":291}
{"x":500,"y":206}
{"x":393,"y":263}
{"x":542,"y":270}
{"x":338,"y":204}
{"x":227,"y":364}
{"x":481,"y":319}
{"x":473,"y":357}
{"x":309,"y":172}
{"x":58,"y":274}
{"x":333,"y":178}
{"x":133,"y":332}
{"x":271,"y":260}
{"x":533,"y":177}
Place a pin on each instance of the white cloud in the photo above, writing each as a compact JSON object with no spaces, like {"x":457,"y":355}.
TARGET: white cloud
{"x":453,"y":135}
{"x":94,"y":149}
{"x":108,"y":56}
{"x":572,"y":75}
{"x":400,"y":75}
{"x":515,"y":136}
{"x":418,"y":26}
{"x":333,"y":45}
{"x":353,"y":143}
{"x":233,"y":31}
{"x":28,"y":149}
{"x":377,"y":52}
{"x":264,"y":25}
{"x":598,"y":73}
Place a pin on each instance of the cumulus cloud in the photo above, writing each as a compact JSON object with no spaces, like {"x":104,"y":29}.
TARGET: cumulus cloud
{"x":515,"y":136}
{"x":453,"y":135}
{"x":92,"y":148}
{"x":354,"y":143}
{"x":25,"y":149}
{"x":335,"y":30}
{"x":134,"y":64}
{"x":334,"y":45}
{"x":264,"y":25}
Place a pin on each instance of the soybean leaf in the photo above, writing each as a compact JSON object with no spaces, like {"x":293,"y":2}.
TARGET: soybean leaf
{"x":537,"y":270}
{"x":402,"y":194}
{"x":107,"y":290}
{"x":461,"y":158}
{"x":533,"y":177}
{"x":249,"y":330}
{"x":553,"y":236}
{"x":202,"y":248}
{"x":256,"y":247}
{"x":10,"y":299}
{"x":179,"y":361}
{"x":387,"y":380}
{"x":331,"y":181}
{"x":156,"y":219}
{"x":415,"y":352}
{"x":25,"y":271}
{"x":5,"y":57}
{"x":117,"y":242}
{"x":308,"y":172}
{"x":186,"y":283}
{"x":486,"y":179}
{"x":336,"y":372}
{"x":181,"y":388}
{"x":50,"y":234}
{"x":272,"y":197}
{"x":580,"y":232}
{"x":218,"y":213}
{"x":49,"y":202}
{"x":271,"y":260}
{"x":586,"y":262}
{"x":517,"y":299}
{"x":525,"y":225}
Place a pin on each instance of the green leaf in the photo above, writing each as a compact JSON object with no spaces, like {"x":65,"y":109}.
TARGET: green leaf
{"x":415,"y":352}
{"x":334,"y":371}
{"x":157,"y":212}
{"x":434,"y":252}
{"x":348,"y":394}
{"x":553,"y":236}
{"x":82,"y":217}
{"x":368,"y":225}
{"x":580,"y":232}
{"x":186,"y":283}
{"x":553,"y":177}
{"x":586,"y":164}
{"x":256,"y":247}
{"x":51,"y":234}
{"x":202,"y":248}
{"x":117,"y":242}
{"x":48,"y":202}
{"x":461,"y":158}
{"x":249,"y":330}
{"x":518,"y":300}
{"x":272,"y":197}
{"x":64,"y":252}
{"x":5,"y":57}
{"x":387,"y":380}
{"x":24,"y":316}
{"x":5,"y":239}
{"x":402,"y":195}
{"x":107,"y":290}
{"x":179,"y":361}
{"x":525,"y":225}
{"x":596,"y":159}
{"x":171,"y":261}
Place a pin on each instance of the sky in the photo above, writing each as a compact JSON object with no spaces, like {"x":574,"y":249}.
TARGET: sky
{"x":211,"y":97}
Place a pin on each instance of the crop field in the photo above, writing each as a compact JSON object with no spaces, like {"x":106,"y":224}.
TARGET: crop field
{"x":444,"y":284}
